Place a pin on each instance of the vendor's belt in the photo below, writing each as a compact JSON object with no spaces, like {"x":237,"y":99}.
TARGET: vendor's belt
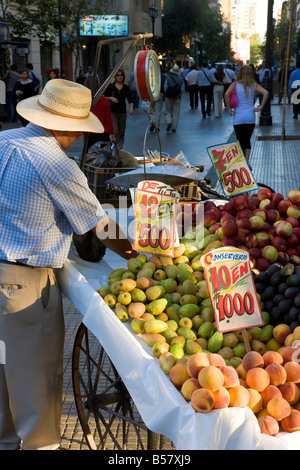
{"x":13,"y":263}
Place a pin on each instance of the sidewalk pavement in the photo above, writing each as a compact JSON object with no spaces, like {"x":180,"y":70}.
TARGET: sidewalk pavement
{"x":275,"y":162}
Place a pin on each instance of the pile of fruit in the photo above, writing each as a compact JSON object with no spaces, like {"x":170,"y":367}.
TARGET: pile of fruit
{"x":166,"y":301}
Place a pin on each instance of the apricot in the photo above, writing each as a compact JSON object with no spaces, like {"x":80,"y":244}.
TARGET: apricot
{"x":277,"y":374}
{"x":256,"y":402}
{"x":262,"y":412}
{"x":241,"y":371}
{"x":188,"y":387}
{"x":290,"y":392}
{"x":270,"y":392}
{"x":231,"y":378}
{"x":268,"y":425}
{"x":291,"y":423}
{"x":258,"y":379}
{"x":271,"y":357}
{"x":287,"y":353}
{"x":211,"y":378}
{"x":196,"y":362}
{"x":278,"y":408}
{"x":216,"y":360}
{"x":202,"y":400}
{"x":296,"y":333}
{"x":222,"y":398}
{"x":178,"y":375}
{"x":252,"y":359}
{"x":280,"y":332}
{"x":239,"y":396}
{"x":292,"y":371}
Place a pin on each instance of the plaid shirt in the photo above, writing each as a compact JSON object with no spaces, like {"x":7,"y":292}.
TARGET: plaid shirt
{"x":44,"y":198}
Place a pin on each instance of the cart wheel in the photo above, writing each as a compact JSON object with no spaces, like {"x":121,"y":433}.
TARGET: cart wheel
{"x":106,"y":411}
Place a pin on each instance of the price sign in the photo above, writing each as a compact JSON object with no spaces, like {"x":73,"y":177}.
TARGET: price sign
{"x":155,"y":217}
{"x":232,"y":169}
{"x":231,"y":288}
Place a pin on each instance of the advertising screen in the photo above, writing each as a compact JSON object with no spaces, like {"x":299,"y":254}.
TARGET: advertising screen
{"x":104,"y":25}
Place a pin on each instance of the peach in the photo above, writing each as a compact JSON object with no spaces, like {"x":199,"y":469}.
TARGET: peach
{"x":188,"y":387}
{"x":296,"y":333}
{"x":278,"y":408}
{"x":222,"y":398}
{"x":292,"y":371}
{"x":272,"y":356}
{"x":258,"y":379}
{"x":296,"y":406}
{"x":196,"y":362}
{"x":287,"y":353}
{"x":178,"y":375}
{"x":202,"y":400}
{"x":252,"y":359}
{"x":241,"y":371}
{"x":216,"y":360}
{"x":268,"y":425}
{"x":270,"y":392}
{"x":262,"y":412}
{"x":256,"y":402}
{"x":276,"y":373}
{"x":211,"y":377}
{"x":239,"y":396}
{"x":291,"y":423}
{"x":290,"y":392}
{"x":280,"y":332}
{"x":231,"y":378}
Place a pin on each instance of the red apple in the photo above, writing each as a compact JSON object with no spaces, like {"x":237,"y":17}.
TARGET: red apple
{"x":283,"y":205}
{"x":284,"y":229}
{"x":240,"y":202}
{"x":266,"y":204}
{"x":212,"y":229}
{"x":255,"y":253}
{"x":244,"y":214}
{"x":294,"y":196}
{"x":296,"y":231}
{"x":219,"y":233}
{"x":261,"y":213}
{"x":264,"y":193}
{"x":292,"y":251}
{"x":253,"y":202}
{"x":292,"y":241}
{"x":210,"y":218}
{"x":226,"y":216}
{"x":266,"y":227}
{"x":256,"y":223}
{"x":262,"y":264}
{"x":293,"y":211}
{"x":230,"y":228}
{"x":272,"y":216}
{"x":276,"y":198}
{"x":244,"y":224}
{"x":263,"y":239}
{"x":228,"y":241}
{"x":229,"y":207}
{"x":283,"y":258}
{"x":280,"y":243}
{"x":243,"y":247}
{"x":240,"y":237}
{"x":208,"y":204}
{"x":270,"y":253}
{"x":293,"y":221}
{"x":251,"y":241}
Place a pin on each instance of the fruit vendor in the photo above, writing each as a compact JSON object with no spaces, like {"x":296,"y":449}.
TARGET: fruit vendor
{"x":44,"y":198}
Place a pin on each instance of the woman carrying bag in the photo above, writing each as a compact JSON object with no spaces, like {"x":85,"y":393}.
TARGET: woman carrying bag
{"x":244,"y":113}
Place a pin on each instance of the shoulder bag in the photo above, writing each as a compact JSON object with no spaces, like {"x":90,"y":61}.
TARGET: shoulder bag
{"x":233,"y":99}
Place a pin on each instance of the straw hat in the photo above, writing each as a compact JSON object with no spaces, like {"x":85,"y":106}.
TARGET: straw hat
{"x":175,"y":69}
{"x":62,"y":106}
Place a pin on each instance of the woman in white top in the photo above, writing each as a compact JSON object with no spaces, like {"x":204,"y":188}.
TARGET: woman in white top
{"x":244,"y":113}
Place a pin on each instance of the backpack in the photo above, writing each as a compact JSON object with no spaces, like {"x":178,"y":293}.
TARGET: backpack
{"x":173,"y":90}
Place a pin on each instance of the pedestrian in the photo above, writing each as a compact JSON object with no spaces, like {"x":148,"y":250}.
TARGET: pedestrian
{"x":205,"y":90}
{"x":156,"y":106}
{"x":35,"y":78}
{"x":119,"y":94}
{"x":103,"y":113}
{"x":11,"y":77}
{"x":80,"y":77}
{"x":53,"y":74}
{"x":193,"y":88}
{"x":134,"y":93}
{"x":230,"y":77}
{"x":24,"y":88}
{"x":218,"y":90}
{"x":44,"y":199}
{"x":89,"y":78}
{"x":294,"y":85}
{"x":244,"y":113}
{"x":174,"y":88}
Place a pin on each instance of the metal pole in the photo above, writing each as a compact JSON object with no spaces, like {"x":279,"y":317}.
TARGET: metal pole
{"x":267,"y":83}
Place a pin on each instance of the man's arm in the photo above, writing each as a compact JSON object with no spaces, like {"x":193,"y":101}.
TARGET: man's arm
{"x":110,"y":234}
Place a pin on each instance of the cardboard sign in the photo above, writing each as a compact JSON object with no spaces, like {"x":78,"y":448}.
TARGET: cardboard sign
{"x":232,"y":169}
{"x":231,"y":288}
{"x":155,"y":218}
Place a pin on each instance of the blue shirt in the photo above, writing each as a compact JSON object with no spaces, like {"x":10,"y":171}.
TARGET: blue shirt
{"x":44,"y":198}
{"x":205,"y":77}
{"x":294,"y":77}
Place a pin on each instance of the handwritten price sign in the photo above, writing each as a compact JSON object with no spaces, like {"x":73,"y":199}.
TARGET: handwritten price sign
{"x":231,"y":288}
{"x":232,"y":169}
{"x":155,"y":217}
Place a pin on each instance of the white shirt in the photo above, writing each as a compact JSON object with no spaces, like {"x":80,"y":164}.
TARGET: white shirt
{"x":191,"y":77}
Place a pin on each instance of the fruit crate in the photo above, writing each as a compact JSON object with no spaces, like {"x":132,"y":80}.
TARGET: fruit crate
{"x":97,"y":178}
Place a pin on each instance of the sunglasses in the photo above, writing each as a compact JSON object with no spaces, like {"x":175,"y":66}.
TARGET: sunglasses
{"x":119,"y":75}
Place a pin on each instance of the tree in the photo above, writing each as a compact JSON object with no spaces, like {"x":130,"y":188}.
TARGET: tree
{"x":255,"y":49}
